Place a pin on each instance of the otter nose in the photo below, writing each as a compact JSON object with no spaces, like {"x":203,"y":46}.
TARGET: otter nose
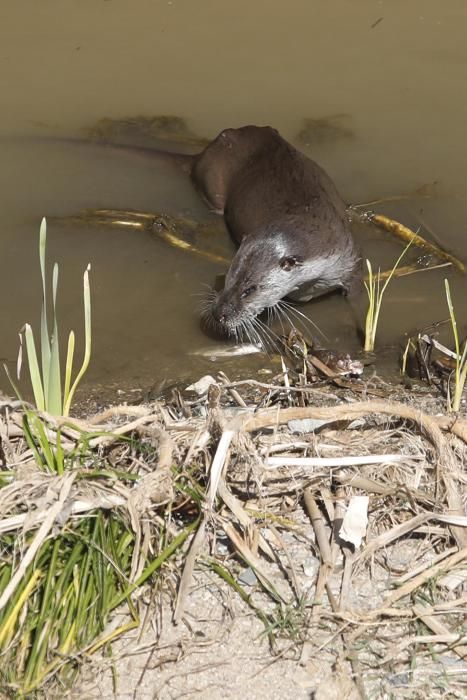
{"x":220,"y":315}
{"x":221,"y":312}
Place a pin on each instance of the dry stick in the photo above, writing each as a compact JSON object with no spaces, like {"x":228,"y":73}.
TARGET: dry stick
{"x":406,"y":614}
{"x":294,"y":584}
{"x":407,"y":270}
{"x":361,"y":482}
{"x":406,"y":589}
{"x":122,"y":430}
{"x":339,"y":512}
{"x":348,"y":461}
{"x":237,"y":507}
{"x":393,"y":534}
{"x":406,"y":234}
{"x":348,"y":555}
{"x":187,"y":575}
{"x":218,"y":464}
{"x":419,"y":639}
{"x":459,"y":603}
{"x":39,"y":538}
{"x":318,"y":526}
{"x":115,"y":411}
{"x":251,"y":558}
{"x":337,"y":518}
{"x":414,"y":572}
{"x":328,"y":502}
{"x":387,"y":611}
{"x":153,"y":487}
{"x":419,"y":580}
{"x":427,"y":424}
{"x":167,"y":230}
{"x":225,"y":381}
{"x":438,"y":628}
{"x":324,"y":548}
{"x":453,"y":424}
{"x":75,"y":507}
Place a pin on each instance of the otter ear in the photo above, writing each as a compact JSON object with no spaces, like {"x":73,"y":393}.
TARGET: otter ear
{"x":290,"y":261}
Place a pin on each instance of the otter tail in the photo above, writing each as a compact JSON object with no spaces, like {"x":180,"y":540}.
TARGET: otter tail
{"x":182,"y":160}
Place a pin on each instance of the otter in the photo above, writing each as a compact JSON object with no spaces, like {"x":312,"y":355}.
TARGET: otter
{"x":285,"y":214}
{"x":287,"y":217}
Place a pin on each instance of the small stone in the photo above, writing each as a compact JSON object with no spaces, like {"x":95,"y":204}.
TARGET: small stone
{"x":248,"y":577}
{"x":202,"y":385}
{"x":305,"y":425}
{"x":310,"y":567}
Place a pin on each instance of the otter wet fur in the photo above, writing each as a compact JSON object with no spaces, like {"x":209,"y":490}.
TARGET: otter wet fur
{"x":288,"y":219}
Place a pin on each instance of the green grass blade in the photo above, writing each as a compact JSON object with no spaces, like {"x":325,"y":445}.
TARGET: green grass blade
{"x":41,"y":634}
{"x":45,"y":342}
{"x":87,"y":340}
{"x":68,"y":367}
{"x":54,"y":387}
{"x":34,"y":371}
{"x":44,"y":442}
{"x":31,"y":442}
{"x":13,"y":383}
{"x":14,"y":612}
{"x":225,"y":574}
{"x":156,"y":563}
{"x":59,"y":453}
{"x":375,"y":299}
{"x":452,"y":315}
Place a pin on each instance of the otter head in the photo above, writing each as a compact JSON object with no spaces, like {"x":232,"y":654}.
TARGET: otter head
{"x":265,"y":269}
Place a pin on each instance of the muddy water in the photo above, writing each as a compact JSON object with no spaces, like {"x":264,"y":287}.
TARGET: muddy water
{"x":383,"y":83}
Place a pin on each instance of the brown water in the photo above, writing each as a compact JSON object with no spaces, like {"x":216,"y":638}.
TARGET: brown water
{"x":396,"y":72}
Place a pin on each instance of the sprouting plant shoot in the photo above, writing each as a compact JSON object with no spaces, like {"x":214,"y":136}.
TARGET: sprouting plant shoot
{"x":375,"y":298}
{"x":460,"y":368}
{"x":46,"y":379}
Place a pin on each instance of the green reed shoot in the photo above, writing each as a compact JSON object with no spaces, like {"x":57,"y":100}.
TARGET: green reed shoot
{"x":460,"y":369}
{"x":46,"y":380}
{"x":375,"y":294}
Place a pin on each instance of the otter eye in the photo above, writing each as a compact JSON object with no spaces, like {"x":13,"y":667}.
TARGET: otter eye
{"x":248,"y":291}
{"x":290,"y":261}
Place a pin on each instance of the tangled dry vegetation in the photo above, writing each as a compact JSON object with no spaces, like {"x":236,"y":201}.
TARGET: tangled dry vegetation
{"x":269,"y":471}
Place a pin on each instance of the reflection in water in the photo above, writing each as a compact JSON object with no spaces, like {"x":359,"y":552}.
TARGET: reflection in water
{"x":141,"y":128}
{"x":331,"y":129}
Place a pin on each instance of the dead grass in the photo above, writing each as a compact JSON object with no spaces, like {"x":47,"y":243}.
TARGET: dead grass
{"x":277,"y":499}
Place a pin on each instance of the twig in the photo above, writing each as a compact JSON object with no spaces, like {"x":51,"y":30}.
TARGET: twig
{"x":360,"y":460}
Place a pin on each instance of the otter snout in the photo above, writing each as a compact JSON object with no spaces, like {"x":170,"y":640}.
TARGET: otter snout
{"x":219,"y":315}
{"x":222,"y":312}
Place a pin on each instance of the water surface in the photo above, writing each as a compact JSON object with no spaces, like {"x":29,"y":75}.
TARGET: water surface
{"x":389,"y":77}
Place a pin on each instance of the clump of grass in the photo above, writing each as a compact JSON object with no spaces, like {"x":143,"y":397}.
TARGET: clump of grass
{"x":61,"y":577}
{"x":62,"y":605}
{"x":58,"y":587}
{"x":460,"y":369}
{"x":375,"y":294}
{"x":47,"y":381}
